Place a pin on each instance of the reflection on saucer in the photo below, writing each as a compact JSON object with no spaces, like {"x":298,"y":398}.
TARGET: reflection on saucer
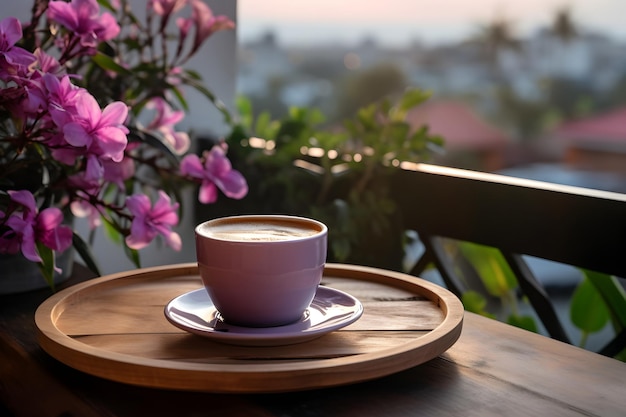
{"x":330,"y":310}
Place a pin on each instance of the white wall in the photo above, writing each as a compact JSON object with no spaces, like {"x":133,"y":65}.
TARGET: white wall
{"x":216,"y":61}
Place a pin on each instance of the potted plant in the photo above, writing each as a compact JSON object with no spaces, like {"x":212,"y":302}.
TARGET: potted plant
{"x":338,"y":174}
{"x":76,"y":82}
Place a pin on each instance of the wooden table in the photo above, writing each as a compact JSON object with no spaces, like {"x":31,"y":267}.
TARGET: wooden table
{"x":493,"y":369}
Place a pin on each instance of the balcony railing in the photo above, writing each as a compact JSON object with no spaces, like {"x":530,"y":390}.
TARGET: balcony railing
{"x":576,"y":226}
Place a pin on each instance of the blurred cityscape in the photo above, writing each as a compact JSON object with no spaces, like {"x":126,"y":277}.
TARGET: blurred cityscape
{"x":550,"y":106}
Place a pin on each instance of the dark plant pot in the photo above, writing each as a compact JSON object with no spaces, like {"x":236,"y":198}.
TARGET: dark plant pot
{"x":18,"y":274}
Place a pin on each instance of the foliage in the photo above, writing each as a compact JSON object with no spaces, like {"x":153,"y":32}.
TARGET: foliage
{"x":612,"y":298}
{"x":368,"y":86}
{"x":599,"y":299}
{"x":75,"y":84}
{"x":588,"y":312}
{"x":499,"y":281}
{"x":337,"y":174}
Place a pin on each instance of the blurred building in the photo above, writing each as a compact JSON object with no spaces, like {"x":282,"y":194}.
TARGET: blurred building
{"x":595,"y":143}
{"x":470,"y":141}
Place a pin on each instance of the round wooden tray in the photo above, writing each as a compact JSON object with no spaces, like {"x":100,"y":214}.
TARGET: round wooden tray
{"x":114,"y":327}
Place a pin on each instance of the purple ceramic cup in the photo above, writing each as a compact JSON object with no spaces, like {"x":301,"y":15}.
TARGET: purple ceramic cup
{"x":261,"y":270}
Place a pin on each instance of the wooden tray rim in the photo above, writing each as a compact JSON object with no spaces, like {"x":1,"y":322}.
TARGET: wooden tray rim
{"x":98,"y":362}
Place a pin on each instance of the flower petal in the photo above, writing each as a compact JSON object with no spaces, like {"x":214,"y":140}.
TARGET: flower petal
{"x":29,"y":249}
{"x":76,"y":135}
{"x":140,"y":236}
{"x":50,"y":232}
{"x":164,"y":212}
{"x":192,"y":166}
{"x":107,"y":27}
{"x":207,"y":193}
{"x":114,"y":114}
{"x":139,"y":204}
{"x":111,"y":141}
{"x":233,"y":184}
{"x":24,"y":198}
{"x":63,"y":13}
{"x":11,"y":31}
{"x":88,"y":109}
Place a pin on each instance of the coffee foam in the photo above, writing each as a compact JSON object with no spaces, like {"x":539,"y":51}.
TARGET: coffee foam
{"x":258,"y":230}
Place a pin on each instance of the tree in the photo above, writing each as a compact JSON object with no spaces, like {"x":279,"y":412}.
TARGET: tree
{"x":563,"y":25}
{"x":369,"y":86}
{"x":497,"y":36}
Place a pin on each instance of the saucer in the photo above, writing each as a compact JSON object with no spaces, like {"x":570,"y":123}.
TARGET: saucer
{"x":330,"y":310}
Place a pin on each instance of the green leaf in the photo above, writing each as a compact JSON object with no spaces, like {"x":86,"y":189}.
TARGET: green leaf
{"x":315,"y":117}
{"x":587,"y":310}
{"x":219,"y":105}
{"x":523,"y":322}
{"x":133,"y":255}
{"x":46,"y":266}
{"x":493,"y":269}
{"x":112,"y":233}
{"x":132,"y":44}
{"x":412,"y":98}
{"x":180,"y":97}
{"x":107,"y":5}
{"x":262,"y":125}
{"x":398,"y":132}
{"x":194,"y":74}
{"x":385,"y":106}
{"x":437,"y":141}
{"x":367,"y":117}
{"x":155,"y":141}
{"x":107,"y":63}
{"x":85,"y":253}
{"x":474,"y":302}
{"x":612,"y":293}
{"x":244,"y":108}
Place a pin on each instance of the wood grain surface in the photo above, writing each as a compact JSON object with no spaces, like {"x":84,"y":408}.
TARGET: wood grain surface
{"x":493,"y":369}
{"x":114,"y":327}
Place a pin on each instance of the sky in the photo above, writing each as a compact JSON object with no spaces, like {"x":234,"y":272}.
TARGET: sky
{"x":398,"y":22}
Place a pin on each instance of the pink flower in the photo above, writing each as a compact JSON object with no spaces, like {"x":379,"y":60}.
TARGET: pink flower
{"x":148,"y":223}
{"x":25,"y":99}
{"x":14,"y":61}
{"x":36,"y":101}
{"x":173,"y":77}
{"x":205,"y":24}
{"x":216,"y":172}
{"x":164,"y":122}
{"x":82,"y":18}
{"x":184,"y":25}
{"x":62,"y":98}
{"x":82,"y":208}
{"x":28,"y":227}
{"x":87,"y":180}
{"x":178,"y":140}
{"x":118,"y":172}
{"x":166,"y":116}
{"x":101,"y":133}
{"x":166,"y":7}
{"x":107,"y":28}
{"x":48,"y":64}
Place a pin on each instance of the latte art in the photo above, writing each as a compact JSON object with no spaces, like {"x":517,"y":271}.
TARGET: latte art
{"x":251,"y":231}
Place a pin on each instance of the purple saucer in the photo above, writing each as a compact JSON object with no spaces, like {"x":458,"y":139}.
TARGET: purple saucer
{"x":330,"y":310}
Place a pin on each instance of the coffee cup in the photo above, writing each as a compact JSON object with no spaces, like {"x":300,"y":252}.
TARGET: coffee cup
{"x":261,"y":270}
